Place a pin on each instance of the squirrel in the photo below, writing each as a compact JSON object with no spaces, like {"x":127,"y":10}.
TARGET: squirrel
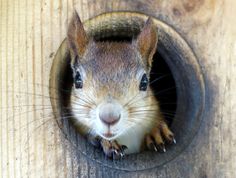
{"x":111,"y":101}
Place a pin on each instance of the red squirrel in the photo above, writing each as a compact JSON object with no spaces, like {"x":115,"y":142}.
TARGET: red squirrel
{"x":111,"y":101}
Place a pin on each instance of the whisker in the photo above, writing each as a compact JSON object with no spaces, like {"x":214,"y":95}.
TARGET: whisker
{"x":159,"y":78}
{"x":46,"y":86}
{"x":35,"y":120}
{"x":19,"y":106}
{"x":168,"y":111}
{"x":160,"y":103}
{"x":31,"y":94}
{"x":140,"y":120}
{"x":87,"y":97}
{"x":140,"y":109}
{"x":84,"y":100}
{"x":51,"y":119}
{"x":156,"y":73}
{"x":130,"y":100}
{"x":35,"y":129}
{"x":26,"y":112}
{"x":81,"y":104}
{"x":168,"y":114}
{"x":151,"y":95}
{"x":165,"y":90}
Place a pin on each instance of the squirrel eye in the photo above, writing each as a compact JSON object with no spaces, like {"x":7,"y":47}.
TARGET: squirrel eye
{"x":78,"y":81}
{"x":144,"y":83}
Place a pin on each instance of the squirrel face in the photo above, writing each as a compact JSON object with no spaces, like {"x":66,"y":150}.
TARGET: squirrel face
{"x":111,"y":93}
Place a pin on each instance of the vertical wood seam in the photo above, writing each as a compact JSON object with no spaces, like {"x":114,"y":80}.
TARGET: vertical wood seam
{"x":34,"y":91}
{"x":42,"y":81}
{"x":13,"y":86}
{"x":27,"y":87}
{"x":1,"y":61}
{"x":19,"y":70}
{"x":7,"y":123}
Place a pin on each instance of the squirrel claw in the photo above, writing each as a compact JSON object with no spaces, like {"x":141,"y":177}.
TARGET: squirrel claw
{"x":112,"y":149}
{"x":162,"y":148}
{"x":152,"y":146}
{"x":123,"y":147}
{"x":158,"y":136}
{"x":116,"y":152}
{"x":174,"y":141}
{"x":170,"y":138}
{"x":122,"y":153}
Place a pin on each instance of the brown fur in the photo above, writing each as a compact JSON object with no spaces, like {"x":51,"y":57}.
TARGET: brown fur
{"x":147,"y":42}
{"x":76,"y":35}
{"x":112,"y":73}
{"x":101,"y":60}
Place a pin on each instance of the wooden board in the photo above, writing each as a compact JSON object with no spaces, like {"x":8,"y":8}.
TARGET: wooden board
{"x":31,"y":32}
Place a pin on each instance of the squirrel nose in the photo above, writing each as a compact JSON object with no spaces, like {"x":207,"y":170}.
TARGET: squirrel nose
{"x":109,"y":114}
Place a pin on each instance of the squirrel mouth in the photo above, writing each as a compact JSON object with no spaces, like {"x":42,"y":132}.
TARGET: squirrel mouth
{"x":108,"y":134}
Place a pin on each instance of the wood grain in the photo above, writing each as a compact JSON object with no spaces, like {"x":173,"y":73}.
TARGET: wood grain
{"x":31,"y":32}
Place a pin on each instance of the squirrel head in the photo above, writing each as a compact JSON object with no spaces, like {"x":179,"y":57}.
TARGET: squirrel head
{"x":111,"y":80}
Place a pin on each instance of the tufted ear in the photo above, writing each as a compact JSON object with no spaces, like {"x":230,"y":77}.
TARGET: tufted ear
{"x":147,"y":42}
{"x":77,"y":37}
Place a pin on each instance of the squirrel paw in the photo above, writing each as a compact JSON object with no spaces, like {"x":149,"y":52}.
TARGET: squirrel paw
{"x":112,"y":149}
{"x":156,"y":139}
{"x":94,"y":140}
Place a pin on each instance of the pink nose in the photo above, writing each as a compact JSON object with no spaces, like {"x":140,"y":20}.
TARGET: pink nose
{"x":109,"y":114}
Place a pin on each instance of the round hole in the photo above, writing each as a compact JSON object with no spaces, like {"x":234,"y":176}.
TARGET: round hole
{"x":174,"y":59}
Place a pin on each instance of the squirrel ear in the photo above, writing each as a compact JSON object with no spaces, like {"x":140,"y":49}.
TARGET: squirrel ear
{"x":147,"y":42}
{"x":77,"y":37}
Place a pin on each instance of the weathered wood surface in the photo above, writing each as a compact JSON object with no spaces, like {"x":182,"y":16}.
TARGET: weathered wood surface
{"x":31,"y":32}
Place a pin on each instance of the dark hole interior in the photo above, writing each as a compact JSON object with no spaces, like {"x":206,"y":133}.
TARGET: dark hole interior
{"x":163,"y":84}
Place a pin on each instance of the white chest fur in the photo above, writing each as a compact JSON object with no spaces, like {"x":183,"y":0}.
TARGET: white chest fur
{"x":133,"y":138}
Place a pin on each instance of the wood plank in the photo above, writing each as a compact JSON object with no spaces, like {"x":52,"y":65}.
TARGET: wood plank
{"x":31,"y":32}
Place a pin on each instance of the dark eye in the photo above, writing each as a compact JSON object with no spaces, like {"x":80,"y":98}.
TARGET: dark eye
{"x":78,"y":81}
{"x":144,"y":83}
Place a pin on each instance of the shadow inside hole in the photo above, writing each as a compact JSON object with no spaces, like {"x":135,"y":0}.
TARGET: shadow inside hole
{"x":163,"y":84}
{"x":64,"y":89}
